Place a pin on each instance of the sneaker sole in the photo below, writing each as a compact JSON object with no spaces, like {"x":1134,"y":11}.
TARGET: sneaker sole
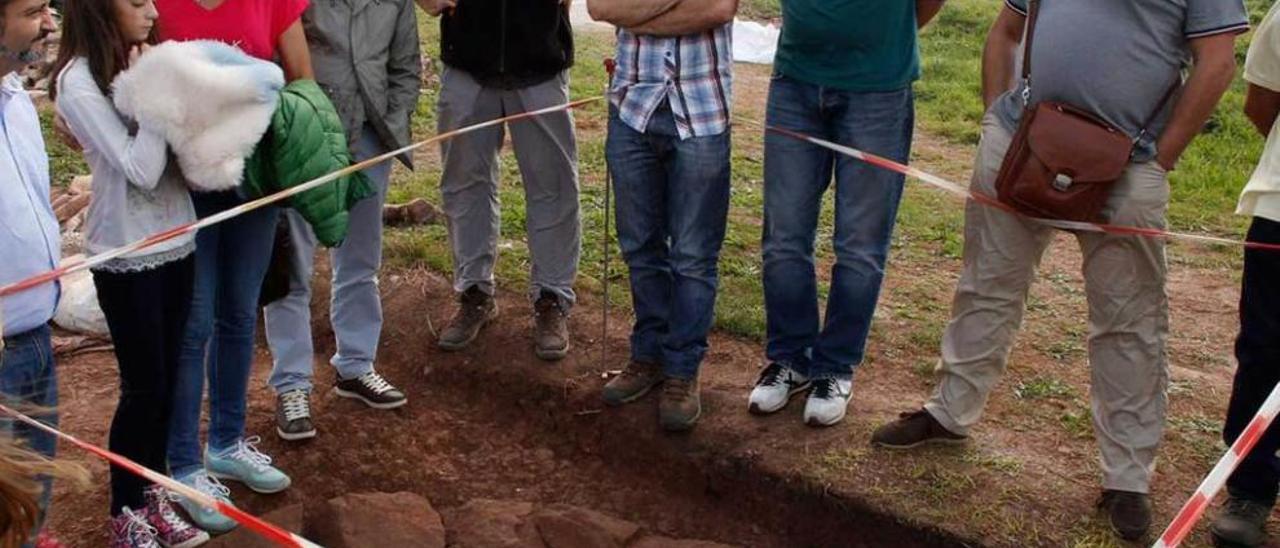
{"x":930,"y":441}
{"x":375,"y":405}
{"x":198,"y":540}
{"x":631,"y":398}
{"x":755,"y":408}
{"x":551,"y":354}
{"x":454,"y":347}
{"x":229,"y":477}
{"x":295,"y":436}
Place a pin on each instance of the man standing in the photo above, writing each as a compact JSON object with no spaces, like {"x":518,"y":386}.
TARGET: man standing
{"x":366,"y":58}
{"x":1116,"y":60}
{"x":29,"y":238}
{"x":843,"y":73}
{"x":504,"y":57}
{"x":668,"y":151}
{"x":1252,"y":487}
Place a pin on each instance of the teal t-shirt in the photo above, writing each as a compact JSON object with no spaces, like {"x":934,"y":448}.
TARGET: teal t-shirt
{"x":855,"y":45}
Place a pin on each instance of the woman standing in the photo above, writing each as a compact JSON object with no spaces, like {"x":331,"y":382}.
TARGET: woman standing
{"x":231,"y":261}
{"x":146,"y":295}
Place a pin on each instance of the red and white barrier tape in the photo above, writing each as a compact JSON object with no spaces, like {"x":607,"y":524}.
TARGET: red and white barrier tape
{"x":963,"y":192}
{"x":268,"y":531}
{"x":1217,"y":478}
{"x":90,"y":262}
{"x":1190,"y":513}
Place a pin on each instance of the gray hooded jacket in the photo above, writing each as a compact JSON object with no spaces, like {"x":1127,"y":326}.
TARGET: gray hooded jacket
{"x":367,"y":59}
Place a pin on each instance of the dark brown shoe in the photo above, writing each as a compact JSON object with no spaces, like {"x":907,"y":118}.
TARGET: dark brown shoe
{"x":633,"y":383}
{"x":912,"y":430}
{"x":550,"y":328}
{"x":475,"y":309}
{"x":1129,"y":513}
{"x":680,"y":404}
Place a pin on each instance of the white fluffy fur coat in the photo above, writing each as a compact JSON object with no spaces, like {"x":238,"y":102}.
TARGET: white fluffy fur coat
{"x":210,"y":101}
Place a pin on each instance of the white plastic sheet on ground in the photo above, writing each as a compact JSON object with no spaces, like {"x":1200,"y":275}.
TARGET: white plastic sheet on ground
{"x":754,"y":42}
{"x":78,"y":309}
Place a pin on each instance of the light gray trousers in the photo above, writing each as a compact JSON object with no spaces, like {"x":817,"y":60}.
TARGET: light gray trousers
{"x":1128,"y":314}
{"x":355,"y":305}
{"x":547,"y":153}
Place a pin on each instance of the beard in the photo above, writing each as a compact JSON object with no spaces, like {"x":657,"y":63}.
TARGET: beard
{"x":33,"y":52}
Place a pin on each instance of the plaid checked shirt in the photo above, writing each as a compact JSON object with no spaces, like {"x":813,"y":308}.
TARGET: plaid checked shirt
{"x":694,"y":72}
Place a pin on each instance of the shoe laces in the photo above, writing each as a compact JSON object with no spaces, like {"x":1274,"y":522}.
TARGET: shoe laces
{"x":823,"y":388}
{"x":136,"y":527}
{"x":170,"y":516}
{"x":375,"y":382}
{"x":772,"y":375}
{"x":246,"y":451}
{"x":676,"y":387}
{"x":296,"y":404}
{"x":210,"y":485}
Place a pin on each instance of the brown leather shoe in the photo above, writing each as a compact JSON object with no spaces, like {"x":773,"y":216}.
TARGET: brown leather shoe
{"x":1129,"y":513}
{"x":914,"y":429}
{"x":680,"y":404}
{"x":634,"y":382}
{"x":550,"y":328}
{"x":475,"y":309}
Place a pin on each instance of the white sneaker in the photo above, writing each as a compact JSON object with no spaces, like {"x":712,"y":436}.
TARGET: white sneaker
{"x":777,"y":383}
{"x":828,"y":402}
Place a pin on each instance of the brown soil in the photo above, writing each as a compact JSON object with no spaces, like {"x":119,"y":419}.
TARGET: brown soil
{"x":494,"y":422}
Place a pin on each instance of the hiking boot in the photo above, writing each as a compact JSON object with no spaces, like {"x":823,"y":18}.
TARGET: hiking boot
{"x":680,"y":404}
{"x":777,"y":383}
{"x":244,"y":463}
{"x":1129,"y":513}
{"x":208,"y":519}
{"x":171,"y":530}
{"x":130,"y":530}
{"x":633,"y":383}
{"x":372,"y":389}
{"x":293,"y":416}
{"x":551,"y":328}
{"x":912,"y":430}
{"x":475,"y":309}
{"x":1243,"y":522}
{"x":828,"y":401}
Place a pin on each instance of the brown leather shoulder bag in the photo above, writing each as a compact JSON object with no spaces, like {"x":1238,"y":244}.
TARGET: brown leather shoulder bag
{"x":1063,"y":160}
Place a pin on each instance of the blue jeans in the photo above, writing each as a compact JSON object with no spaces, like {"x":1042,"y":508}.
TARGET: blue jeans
{"x":796,"y":174}
{"x":231,"y":261}
{"x":29,"y":379}
{"x":672,"y":198}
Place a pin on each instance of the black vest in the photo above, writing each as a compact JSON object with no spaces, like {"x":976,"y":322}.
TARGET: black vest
{"x":508,"y":43}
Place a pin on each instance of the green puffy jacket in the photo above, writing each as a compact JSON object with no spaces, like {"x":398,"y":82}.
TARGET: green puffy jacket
{"x":306,"y":141}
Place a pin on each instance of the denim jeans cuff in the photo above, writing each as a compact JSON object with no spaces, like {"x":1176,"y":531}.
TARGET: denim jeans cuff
{"x":829,"y":375}
{"x":184,"y":471}
{"x":1267,"y":496}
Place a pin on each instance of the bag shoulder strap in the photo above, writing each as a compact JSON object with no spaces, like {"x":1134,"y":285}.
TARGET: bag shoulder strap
{"x":1033,"y":12}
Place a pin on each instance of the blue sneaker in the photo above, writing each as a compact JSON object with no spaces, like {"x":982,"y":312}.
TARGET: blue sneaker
{"x":245,"y":464}
{"x":204,"y":518}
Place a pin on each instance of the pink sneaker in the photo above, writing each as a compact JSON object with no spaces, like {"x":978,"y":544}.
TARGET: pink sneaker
{"x":130,"y":530}
{"x":172,"y":530}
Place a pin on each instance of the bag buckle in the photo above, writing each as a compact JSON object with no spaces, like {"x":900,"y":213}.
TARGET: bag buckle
{"x":1062,"y":182}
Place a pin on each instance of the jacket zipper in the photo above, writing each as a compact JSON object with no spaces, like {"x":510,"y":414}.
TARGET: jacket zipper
{"x":502,"y":38}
